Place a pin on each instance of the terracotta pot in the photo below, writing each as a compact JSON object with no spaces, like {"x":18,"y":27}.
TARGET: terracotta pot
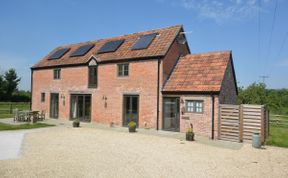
{"x":132,"y":129}
{"x":76,"y":124}
{"x":190,"y":136}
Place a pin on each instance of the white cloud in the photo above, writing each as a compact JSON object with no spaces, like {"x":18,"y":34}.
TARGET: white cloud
{"x":221,"y":11}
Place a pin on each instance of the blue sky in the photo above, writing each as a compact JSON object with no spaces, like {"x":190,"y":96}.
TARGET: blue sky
{"x":30,"y":29}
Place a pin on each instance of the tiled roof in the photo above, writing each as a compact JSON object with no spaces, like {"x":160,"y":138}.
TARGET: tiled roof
{"x":157,"y":48}
{"x":199,"y":73}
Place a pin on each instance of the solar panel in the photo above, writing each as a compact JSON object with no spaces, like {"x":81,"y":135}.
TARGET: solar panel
{"x":110,"y":46}
{"x":82,"y":50}
{"x":59,"y":53}
{"x":144,"y":41}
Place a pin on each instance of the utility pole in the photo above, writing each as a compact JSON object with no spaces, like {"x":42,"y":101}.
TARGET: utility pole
{"x":264,"y":77}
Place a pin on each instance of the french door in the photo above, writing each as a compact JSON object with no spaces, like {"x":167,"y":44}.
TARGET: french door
{"x":54,"y":105}
{"x":130,"y":109}
{"x":80,"y":107}
{"x":171,"y":119}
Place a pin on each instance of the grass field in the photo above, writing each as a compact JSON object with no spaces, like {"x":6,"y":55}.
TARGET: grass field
{"x":5,"y":108}
{"x":23,"y":126}
{"x":278,"y":132}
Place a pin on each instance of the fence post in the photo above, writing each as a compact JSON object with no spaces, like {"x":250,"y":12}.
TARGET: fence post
{"x":262,"y":124}
{"x":241,"y":123}
{"x":219,"y":122}
{"x":10,"y":107}
{"x":268,"y":122}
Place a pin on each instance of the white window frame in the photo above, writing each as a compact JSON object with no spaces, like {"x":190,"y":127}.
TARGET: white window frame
{"x":194,"y":106}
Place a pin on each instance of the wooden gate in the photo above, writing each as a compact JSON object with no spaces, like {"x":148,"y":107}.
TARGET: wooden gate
{"x":253,"y":121}
{"x":229,"y":123}
{"x":239,"y":122}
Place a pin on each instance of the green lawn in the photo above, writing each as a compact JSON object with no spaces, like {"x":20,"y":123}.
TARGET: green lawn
{"x":278,"y":136}
{"x":278,"y":133}
{"x":23,"y":126}
{"x":5,"y":108}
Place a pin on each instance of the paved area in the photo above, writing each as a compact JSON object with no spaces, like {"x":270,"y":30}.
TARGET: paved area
{"x":10,"y":144}
{"x":64,"y":151}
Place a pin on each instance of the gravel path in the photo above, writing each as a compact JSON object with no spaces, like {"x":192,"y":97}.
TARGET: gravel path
{"x":87,"y":152}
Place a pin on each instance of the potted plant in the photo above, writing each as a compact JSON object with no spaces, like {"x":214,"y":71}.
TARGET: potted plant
{"x":190,"y":134}
{"x":132,"y":126}
{"x":76,"y":123}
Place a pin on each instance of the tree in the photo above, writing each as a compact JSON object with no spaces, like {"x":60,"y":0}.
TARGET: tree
{"x":11,"y":83}
{"x":2,"y":88}
{"x":275,"y":99}
{"x":21,"y":96}
{"x":253,"y":94}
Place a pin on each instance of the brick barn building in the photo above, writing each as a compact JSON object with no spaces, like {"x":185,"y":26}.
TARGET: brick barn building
{"x":149,"y":77}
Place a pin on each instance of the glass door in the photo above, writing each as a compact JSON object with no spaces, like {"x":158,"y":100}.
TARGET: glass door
{"x":54,"y":105}
{"x":80,"y":107}
{"x":130,"y":109}
{"x":171,"y":120}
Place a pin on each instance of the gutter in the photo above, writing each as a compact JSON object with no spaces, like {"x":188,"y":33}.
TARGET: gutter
{"x":115,"y":61}
{"x":158,"y":90}
{"x":213,"y":111}
{"x":31,"y":89}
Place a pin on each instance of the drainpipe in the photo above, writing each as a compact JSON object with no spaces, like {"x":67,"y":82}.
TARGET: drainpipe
{"x":31,"y":89}
{"x":158,"y":90}
{"x":213,"y":110}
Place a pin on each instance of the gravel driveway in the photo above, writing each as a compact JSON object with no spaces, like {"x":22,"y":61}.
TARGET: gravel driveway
{"x":88,"y":152}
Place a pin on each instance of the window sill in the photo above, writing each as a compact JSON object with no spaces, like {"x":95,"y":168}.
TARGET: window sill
{"x":92,"y":87}
{"x":193,"y":112}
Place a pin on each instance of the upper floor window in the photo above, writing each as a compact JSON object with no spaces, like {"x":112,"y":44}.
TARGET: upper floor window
{"x":92,"y":81}
{"x":57,"y":73}
{"x":194,"y":106}
{"x":123,"y":70}
{"x":42,"y":97}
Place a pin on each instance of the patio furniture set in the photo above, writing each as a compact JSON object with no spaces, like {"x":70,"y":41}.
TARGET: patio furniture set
{"x":28,"y":116}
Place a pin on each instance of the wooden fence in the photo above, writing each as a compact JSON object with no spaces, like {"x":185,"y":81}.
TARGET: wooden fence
{"x":229,"y":125}
{"x":279,"y":120}
{"x":239,"y":122}
{"x":7,"y":107}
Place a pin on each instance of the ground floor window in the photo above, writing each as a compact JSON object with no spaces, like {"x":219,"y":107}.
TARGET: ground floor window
{"x":42,"y":97}
{"x":80,"y":107}
{"x":130,"y":109}
{"x":194,"y":106}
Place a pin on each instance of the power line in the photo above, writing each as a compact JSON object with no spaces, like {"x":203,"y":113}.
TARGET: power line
{"x":280,"y":51}
{"x":259,"y":32}
{"x":282,"y":45}
{"x":271,"y":33}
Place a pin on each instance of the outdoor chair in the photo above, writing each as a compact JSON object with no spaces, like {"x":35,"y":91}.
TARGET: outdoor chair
{"x":27,"y":116}
{"x":41,"y":116}
{"x":21,"y":117}
{"x":16,"y":115}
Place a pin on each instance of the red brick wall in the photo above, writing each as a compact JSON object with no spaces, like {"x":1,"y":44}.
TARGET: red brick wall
{"x":172,"y":56}
{"x":202,"y":122}
{"x":142,"y":80}
{"x":72,"y":79}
